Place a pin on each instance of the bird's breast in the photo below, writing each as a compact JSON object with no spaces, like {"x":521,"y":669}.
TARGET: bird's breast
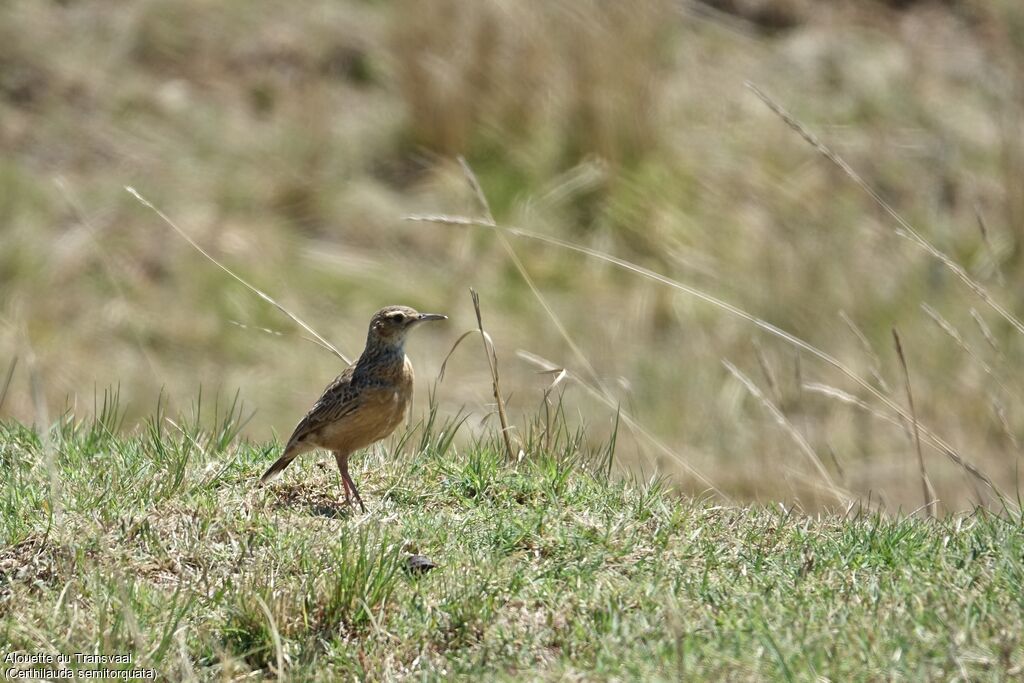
{"x":382,"y":389}
{"x":392,"y":403}
{"x":381,"y":410}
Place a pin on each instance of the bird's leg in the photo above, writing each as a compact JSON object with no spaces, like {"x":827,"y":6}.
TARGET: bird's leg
{"x":342,"y":459}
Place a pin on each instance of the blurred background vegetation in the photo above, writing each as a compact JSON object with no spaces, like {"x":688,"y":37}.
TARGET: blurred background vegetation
{"x":291,"y":139}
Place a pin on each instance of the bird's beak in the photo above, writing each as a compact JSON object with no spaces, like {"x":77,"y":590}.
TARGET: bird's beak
{"x":431,"y":316}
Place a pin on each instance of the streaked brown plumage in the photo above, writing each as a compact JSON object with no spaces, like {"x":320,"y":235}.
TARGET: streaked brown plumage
{"x":363,"y":404}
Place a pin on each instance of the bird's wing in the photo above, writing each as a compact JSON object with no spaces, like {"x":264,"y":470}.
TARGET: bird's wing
{"x":339,"y":399}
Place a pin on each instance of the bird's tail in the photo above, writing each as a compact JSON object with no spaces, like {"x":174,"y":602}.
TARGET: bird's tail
{"x":276,"y":469}
{"x":286,"y":458}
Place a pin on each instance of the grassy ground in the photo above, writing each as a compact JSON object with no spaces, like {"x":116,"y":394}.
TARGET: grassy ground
{"x":290,"y":144}
{"x":156,"y":544}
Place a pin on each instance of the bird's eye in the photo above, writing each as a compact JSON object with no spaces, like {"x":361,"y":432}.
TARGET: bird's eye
{"x":397,"y":316}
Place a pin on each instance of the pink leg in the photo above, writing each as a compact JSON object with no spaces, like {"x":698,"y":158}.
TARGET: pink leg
{"x":346,"y":480}
{"x":342,"y":466}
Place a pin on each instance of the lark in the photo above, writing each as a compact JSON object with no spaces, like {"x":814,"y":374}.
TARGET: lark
{"x":363,"y":404}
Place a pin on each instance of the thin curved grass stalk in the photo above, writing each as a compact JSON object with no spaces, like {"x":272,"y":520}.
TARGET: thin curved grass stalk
{"x":492,"y":363}
{"x":1004,"y":423}
{"x":850,"y":399}
{"x":958,"y":339}
{"x":930,"y":437}
{"x":927,"y":491}
{"x":639,"y":432}
{"x":561,"y":374}
{"x":816,"y":484}
{"x":793,"y":432}
{"x":274,"y":634}
{"x":986,"y":332}
{"x":474,"y":183}
{"x":254,"y":328}
{"x":7,"y":381}
{"x":769,"y":374}
{"x":876,"y":362}
{"x":485,"y":205}
{"x":451,"y":351}
{"x":258,"y":292}
{"x":631,"y":422}
{"x":983,"y":229}
{"x":50,"y":449}
{"x":906,"y":230}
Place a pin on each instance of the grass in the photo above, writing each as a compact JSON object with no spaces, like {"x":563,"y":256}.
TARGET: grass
{"x":155,"y":543}
{"x":711,"y":301}
{"x":290,"y":145}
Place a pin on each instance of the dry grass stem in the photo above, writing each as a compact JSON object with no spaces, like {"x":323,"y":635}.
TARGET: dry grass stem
{"x":876,"y":362}
{"x":489,"y":221}
{"x":42,"y":412}
{"x":958,"y":338}
{"x":260,"y":293}
{"x":927,"y":492}
{"x":275,"y":635}
{"x":905,"y":230}
{"x":527,"y":278}
{"x":7,"y":381}
{"x":850,"y":399}
{"x":929,"y":436}
{"x":769,"y":374}
{"x":448,"y":356}
{"x":983,"y":229}
{"x":492,"y":364}
{"x":638,"y":430}
{"x":806,"y":448}
{"x":985,"y":330}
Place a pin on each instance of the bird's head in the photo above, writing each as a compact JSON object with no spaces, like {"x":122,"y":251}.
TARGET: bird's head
{"x":390,"y":325}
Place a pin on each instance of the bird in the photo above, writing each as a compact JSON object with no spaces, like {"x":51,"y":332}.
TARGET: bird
{"x":363,"y":404}
{"x":419,"y":564}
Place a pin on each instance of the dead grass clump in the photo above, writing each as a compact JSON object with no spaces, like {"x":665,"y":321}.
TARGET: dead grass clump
{"x":35,"y":564}
{"x":319,"y":499}
{"x":569,"y":78}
